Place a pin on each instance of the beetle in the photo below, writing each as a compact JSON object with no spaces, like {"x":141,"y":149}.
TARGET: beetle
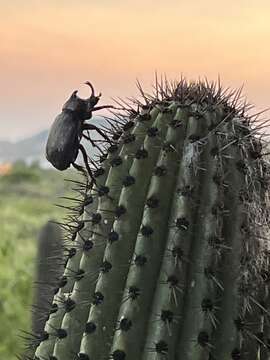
{"x":63,"y":143}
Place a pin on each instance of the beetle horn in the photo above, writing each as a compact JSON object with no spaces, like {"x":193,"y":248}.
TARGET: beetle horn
{"x":92,"y":88}
{"x":74,"y":94}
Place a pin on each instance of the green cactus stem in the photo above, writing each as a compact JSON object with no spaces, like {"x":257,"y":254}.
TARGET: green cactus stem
{"x":92,"y":256}
{"x":49,"y":266}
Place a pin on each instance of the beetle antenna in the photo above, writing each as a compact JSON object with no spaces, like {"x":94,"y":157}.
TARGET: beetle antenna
{"x":91,"y":86}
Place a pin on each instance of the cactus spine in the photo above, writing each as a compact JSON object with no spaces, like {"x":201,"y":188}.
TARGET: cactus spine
{"x":169,"y":255}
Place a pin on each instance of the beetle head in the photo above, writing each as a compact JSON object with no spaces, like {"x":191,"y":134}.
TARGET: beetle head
{"x":82,"y":107}
{"x":75,"y":104}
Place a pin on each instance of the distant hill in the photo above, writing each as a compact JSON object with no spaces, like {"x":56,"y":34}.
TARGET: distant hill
{"x":33,"y":148}
{"x":29,"y":149}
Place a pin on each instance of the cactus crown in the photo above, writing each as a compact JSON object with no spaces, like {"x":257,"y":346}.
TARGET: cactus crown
{"x":168,"y":252}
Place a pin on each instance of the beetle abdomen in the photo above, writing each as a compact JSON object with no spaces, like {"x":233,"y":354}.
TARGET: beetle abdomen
{"x":63,"y":141}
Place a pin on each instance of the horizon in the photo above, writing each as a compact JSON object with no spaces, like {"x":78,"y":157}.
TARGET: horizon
{"x":14,"y":141}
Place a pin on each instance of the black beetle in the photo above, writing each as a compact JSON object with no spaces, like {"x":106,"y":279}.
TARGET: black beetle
{"x":64,"y":138}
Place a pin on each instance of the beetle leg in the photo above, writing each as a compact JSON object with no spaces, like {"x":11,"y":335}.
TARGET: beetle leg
{"x":103,"y":107}
{"x":89,"y":139}
{"x":79,"y":168}
{"x":82,"y":169}
{"x":84,"y":154}
{"x":93,"y":127}
{"x":93,"y":180}
{"x":93,"y":143}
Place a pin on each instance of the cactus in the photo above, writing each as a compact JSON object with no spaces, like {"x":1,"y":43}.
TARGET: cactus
{"x":169,"y":256}
{"x":49,"y":268}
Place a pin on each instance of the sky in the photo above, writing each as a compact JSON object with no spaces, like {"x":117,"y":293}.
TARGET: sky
{"x":49,"y":48}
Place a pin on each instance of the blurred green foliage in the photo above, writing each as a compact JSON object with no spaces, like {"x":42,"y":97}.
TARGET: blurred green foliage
{"x":22,"y":174}
{"x":27,"y":198}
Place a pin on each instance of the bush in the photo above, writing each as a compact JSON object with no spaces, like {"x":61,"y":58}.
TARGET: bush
{"x":21,"y":172}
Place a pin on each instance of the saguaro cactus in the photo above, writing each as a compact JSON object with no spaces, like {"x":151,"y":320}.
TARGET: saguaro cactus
{"x":169,"y":256}
{"x":49,"y":267}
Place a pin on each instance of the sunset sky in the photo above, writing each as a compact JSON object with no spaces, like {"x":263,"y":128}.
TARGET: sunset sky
{"x":49,"y":48}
